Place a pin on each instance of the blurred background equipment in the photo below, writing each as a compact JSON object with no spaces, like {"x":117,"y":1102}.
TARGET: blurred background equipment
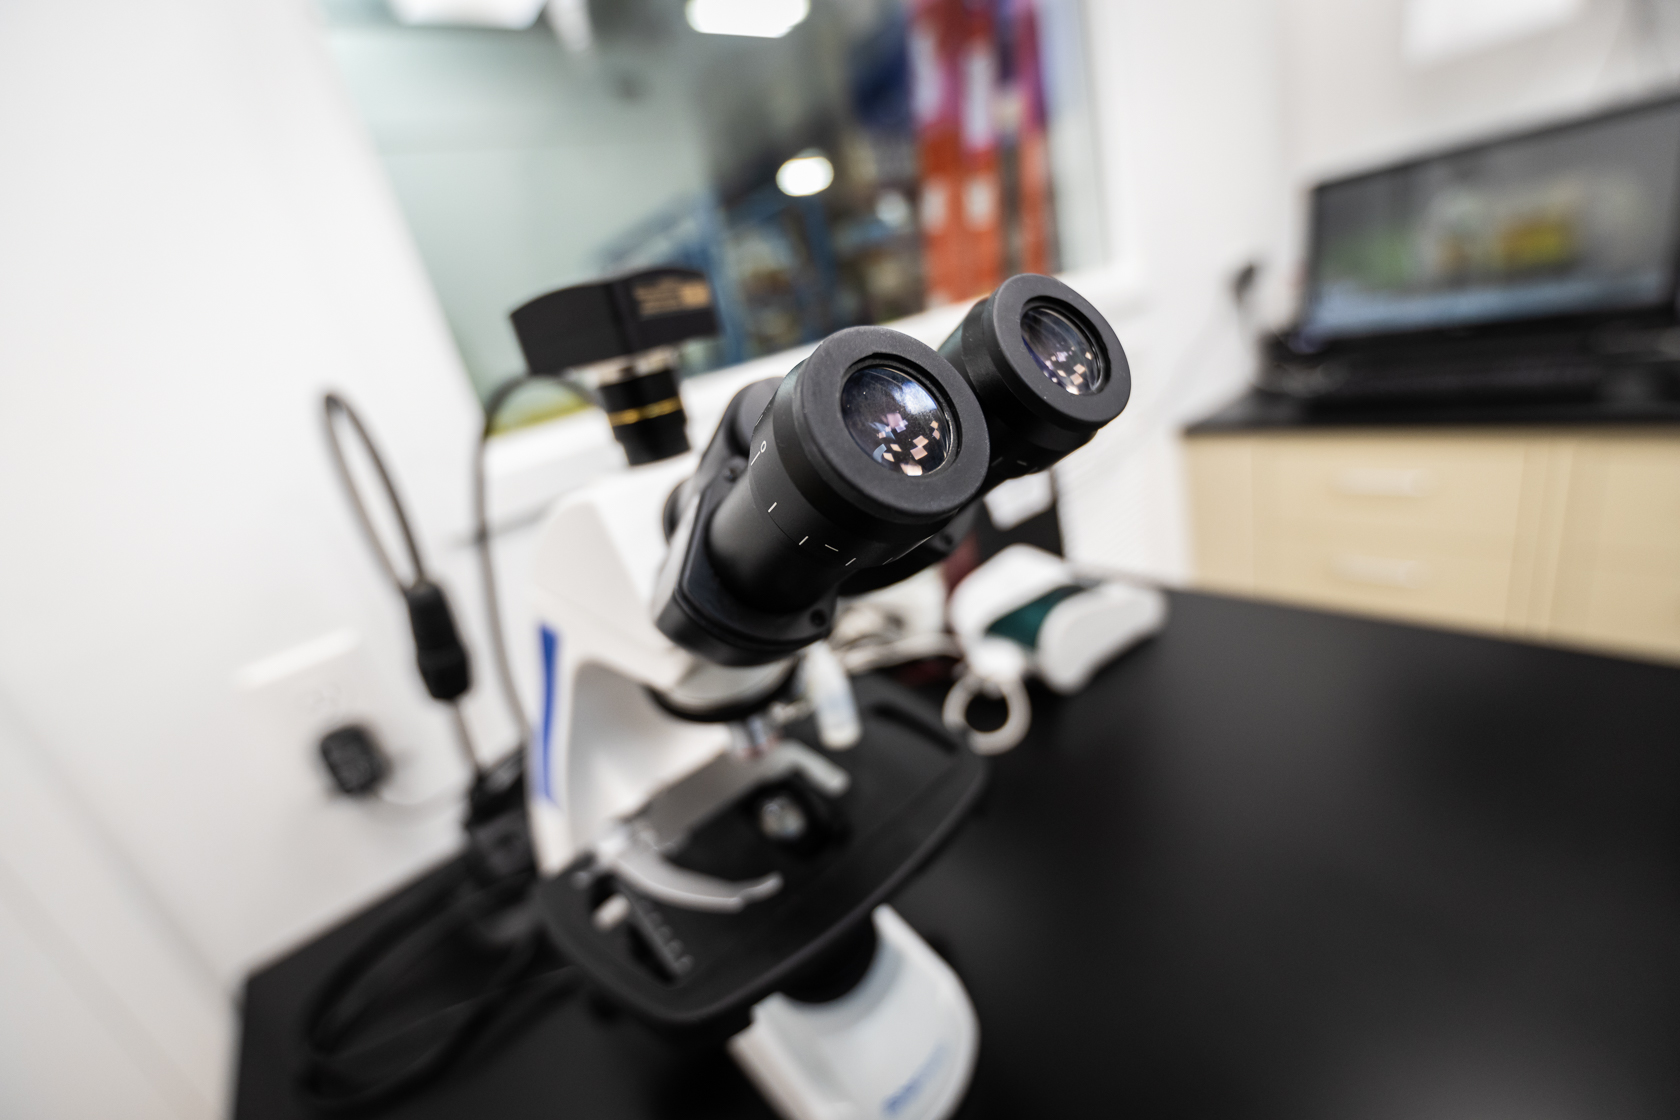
{"x":1026,"y":613}
{"x":1537,"y":264}
{"x":826,"y":165}
{"x":1472,"y":421}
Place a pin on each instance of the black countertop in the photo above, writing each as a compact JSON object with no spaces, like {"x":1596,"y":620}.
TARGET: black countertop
{"x":1275,"y":863}
{"x":1258,"y":411}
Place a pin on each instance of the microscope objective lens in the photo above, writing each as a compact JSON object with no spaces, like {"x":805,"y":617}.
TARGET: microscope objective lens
{"x":780,"y":818}
{"x":896,"y":420}
{"x":1062,"y":350}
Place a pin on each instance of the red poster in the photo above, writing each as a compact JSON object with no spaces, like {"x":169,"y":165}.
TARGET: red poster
{"x":958,"y":89}
{"x":982,"y":184}
{"x":1032,"y":143}
{"x":936,"y":40}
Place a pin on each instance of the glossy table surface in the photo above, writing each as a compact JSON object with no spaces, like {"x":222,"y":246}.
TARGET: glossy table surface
{"x":1274,"y":863}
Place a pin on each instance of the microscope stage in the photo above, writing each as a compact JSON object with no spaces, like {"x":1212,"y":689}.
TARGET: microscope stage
{"x":911,"y":784}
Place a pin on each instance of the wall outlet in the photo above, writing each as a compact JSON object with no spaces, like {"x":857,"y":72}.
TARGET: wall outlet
{"x":317,"y":682}
{"x":301,"y":694}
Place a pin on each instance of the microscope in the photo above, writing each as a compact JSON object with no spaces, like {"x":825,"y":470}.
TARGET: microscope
{"x":719,"y":814}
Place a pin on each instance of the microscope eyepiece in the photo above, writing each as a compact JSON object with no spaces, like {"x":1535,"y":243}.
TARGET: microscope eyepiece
{"x":1064,"y":352}
{"x":866,"y":449}
{"x":863,"y":465}
{"x":1048,"y":370}
{"x":896,"y":420}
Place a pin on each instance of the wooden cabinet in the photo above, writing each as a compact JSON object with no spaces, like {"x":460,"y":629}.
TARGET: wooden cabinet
{"x":1564,"y":535}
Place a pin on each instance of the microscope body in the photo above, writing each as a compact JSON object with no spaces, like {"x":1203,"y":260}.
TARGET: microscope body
{"x":617,"y":781}
{"x":719,"y":814}
{"x":601,"y":745}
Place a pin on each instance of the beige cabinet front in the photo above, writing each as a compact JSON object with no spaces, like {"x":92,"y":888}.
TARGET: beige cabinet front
{"x":1560,"y":534}
{"x":1619,"y":575}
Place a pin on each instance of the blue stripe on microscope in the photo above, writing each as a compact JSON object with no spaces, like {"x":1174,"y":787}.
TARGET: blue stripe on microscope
{"x":912,"y":1088}
{"x":551,"y":687}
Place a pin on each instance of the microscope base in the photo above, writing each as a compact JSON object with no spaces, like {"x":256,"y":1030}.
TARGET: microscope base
{"x":900,"y":1044}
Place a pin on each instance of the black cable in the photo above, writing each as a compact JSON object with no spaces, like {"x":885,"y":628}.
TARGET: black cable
{"x":335,"y":1078}
{"x":441,"y":656}
{"x":332,"y":406}
{"x":486,"y":566}
{"x":337,"y":1075}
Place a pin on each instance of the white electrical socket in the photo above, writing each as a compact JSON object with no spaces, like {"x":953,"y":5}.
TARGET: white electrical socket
{"x":301,"y":693}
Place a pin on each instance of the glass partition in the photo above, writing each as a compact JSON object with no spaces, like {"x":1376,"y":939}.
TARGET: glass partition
{"x":876,"y":158}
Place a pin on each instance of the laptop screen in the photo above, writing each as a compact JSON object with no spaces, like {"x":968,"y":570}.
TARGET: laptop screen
{"x":1568,"y":221}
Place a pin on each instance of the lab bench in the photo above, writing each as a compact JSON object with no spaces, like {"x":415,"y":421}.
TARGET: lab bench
{"x":1273,"y":863}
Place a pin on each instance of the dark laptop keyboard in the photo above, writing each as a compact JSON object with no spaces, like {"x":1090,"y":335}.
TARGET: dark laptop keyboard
{"x":1518,"y":374}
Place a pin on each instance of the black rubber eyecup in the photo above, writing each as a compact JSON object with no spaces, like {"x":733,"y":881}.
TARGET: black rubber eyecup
{"x":835,"y":475}
{"x":1007,"y":377}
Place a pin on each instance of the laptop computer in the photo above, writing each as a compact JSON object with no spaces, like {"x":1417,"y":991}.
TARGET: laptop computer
{"x":1544,"y":263}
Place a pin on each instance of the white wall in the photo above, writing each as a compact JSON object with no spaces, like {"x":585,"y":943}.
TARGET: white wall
{"x":93,"y":974}
{"x":1187,"y":97}
{"x":196,"y":240}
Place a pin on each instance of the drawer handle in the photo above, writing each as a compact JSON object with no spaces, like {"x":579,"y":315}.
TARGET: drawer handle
{"x":1384,"y":482}
{"x":1379,"y":571}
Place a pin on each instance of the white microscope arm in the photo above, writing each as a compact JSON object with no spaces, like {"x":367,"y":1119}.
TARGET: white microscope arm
{"x":599,"y":745}
{"x":602,"y":748}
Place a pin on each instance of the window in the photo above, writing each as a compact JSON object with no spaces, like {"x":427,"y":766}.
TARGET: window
{"x":879,"y":157}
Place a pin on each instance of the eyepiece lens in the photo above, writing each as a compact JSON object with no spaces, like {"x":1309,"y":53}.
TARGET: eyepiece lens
{"x":896,"y":420}
{"x":1064,"y":352}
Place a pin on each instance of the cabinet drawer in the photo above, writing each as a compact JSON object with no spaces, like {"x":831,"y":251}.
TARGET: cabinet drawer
{"x":1220,"y":473}
{"x":1629,"y":495}
{"x":1440,"y":484}
{"x":1397,"y":579}
{"x":1627,"y":608}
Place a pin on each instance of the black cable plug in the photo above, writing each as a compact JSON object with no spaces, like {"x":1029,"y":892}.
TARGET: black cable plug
{"x":497,"y":823}
{"x":438,"y":650}
{"x":352,"y":756}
